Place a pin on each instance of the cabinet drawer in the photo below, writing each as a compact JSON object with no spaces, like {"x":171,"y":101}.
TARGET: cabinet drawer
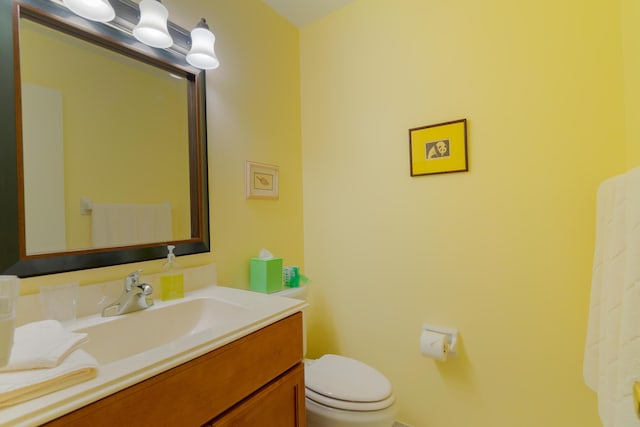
{"x":198,"y":391}
{"x":278,"y":404}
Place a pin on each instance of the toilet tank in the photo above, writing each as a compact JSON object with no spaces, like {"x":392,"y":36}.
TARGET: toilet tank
{"x":301,"y":294}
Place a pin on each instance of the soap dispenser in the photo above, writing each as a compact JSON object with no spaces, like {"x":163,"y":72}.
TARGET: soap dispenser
{"x":172,"y":279}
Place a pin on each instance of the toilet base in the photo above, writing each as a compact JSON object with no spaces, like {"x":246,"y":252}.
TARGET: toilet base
{"x":322,"y":416}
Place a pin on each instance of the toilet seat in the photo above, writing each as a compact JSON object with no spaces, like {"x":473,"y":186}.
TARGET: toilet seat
{"x":343,"y":383}
{"x":349,"y":406}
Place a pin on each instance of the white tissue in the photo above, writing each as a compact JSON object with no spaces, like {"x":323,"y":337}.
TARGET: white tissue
{"x":265,"y":254}
{"x":434,"y":345}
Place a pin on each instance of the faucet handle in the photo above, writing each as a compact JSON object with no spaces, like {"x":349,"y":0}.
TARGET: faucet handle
{"x":132,"y":280}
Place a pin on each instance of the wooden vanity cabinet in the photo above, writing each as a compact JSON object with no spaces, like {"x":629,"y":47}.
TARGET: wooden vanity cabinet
{"x":278,"y":404}
{"x":257,"y":380}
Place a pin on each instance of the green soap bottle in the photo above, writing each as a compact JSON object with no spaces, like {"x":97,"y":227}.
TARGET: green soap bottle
{"x":172,"y":280}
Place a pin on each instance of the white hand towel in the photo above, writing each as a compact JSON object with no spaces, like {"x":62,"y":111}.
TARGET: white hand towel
{"x":41,"y":344}
{"x":612,"y":353}
{"x":20,"y":386}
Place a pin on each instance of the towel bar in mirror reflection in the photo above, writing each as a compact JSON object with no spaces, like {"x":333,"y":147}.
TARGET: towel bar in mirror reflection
{"x":111,"y":152}
{"x":86,"y":205}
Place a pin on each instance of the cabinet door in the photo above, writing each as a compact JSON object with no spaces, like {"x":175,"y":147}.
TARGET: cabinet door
{"x":279,"y":404}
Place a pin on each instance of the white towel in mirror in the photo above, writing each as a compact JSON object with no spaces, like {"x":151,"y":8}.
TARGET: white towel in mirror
{"x":120,"y":224}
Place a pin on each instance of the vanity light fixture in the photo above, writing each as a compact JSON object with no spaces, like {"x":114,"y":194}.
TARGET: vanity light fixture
{"x":94,"y":10}
{"x":202,"y":54}
{"x":149,"y":24}
{"x":152,"y":27}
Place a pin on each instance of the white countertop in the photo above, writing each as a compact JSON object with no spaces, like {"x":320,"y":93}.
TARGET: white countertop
{"x":261,"y":310}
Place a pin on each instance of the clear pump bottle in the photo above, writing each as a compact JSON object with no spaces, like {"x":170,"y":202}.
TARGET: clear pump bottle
{"x":172,"y":279}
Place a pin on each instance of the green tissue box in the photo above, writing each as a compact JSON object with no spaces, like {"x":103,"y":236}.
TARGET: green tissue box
{"x":266,"y":275}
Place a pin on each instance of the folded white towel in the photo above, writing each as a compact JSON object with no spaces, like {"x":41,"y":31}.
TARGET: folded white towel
{"x":20,"y":386}
{"x":612,"y":352}
{"x":41,"y":344}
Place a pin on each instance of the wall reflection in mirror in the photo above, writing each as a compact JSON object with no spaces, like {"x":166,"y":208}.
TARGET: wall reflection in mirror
{"x":106,"y":130}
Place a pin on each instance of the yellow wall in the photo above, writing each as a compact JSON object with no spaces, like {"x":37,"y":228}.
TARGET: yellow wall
{"x":502,"y":252}
{"x":253,"y":113}
{"x":631,"y":44}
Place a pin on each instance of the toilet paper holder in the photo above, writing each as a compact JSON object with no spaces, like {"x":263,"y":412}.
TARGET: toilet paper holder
{"x":452,"y":335}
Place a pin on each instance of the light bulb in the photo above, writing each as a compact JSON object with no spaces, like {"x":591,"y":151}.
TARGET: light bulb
{"x":202,"y":54}
{"x":94,"y":10}
{"x":152,"y":27}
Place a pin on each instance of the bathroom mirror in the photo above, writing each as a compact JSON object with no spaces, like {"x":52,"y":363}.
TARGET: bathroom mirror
{"x":104,"y":123}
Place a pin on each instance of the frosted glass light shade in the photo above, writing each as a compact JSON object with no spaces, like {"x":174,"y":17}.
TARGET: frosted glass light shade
{"x":94,"y":10}
{"x":202,"y":54}
{"x":152,"y":27}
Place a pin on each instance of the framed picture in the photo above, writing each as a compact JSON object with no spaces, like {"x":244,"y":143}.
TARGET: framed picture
{"x":261,"y":181}
{"x":439,"y":148}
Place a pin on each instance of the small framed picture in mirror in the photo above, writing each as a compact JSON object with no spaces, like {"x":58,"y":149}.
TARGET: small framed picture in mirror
{"x":261,"y":180}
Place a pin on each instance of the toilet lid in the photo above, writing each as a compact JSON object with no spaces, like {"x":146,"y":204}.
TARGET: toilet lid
{"x":341,"y":378}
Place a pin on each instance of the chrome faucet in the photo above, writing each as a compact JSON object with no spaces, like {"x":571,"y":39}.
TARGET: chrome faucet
{"x":136,"y":296}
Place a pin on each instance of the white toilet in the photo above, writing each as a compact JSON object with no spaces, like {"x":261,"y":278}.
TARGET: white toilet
{"x":344,"y":392}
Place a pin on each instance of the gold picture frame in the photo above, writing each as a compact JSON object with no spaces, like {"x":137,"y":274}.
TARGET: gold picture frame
{"x":439,"y":148}
{"x":261,"y":181}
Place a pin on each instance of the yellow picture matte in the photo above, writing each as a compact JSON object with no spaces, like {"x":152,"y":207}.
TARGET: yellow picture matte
{"x":439,"y":148}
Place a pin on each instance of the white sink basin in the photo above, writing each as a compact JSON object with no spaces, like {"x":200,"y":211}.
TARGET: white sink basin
{"x":136,"y":346}
{"x":124,"y":336}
